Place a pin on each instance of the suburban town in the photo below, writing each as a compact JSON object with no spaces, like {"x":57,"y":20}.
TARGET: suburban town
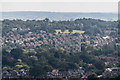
{"x":33,"y":51}
{"x":66,"y":40}
{"x":58,"y":40}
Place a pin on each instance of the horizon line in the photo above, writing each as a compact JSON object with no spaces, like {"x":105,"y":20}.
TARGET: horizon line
{"x":60,"y":12}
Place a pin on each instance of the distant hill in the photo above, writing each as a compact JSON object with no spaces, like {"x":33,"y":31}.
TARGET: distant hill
{"x":58,"y":15}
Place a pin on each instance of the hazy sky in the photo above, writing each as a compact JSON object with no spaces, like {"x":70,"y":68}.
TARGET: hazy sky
{"x":61,"y":6}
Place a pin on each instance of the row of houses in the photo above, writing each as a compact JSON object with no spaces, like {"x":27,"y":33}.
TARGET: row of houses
{"x":65,"y":41}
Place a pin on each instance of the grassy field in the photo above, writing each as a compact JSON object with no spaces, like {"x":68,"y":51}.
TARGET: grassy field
{"x":67,"y":31}
{"x":78,"y":31}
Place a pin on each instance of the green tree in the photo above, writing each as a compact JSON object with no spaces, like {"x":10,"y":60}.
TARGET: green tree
{"x":92,"y":76}
{"x":16,"y":53}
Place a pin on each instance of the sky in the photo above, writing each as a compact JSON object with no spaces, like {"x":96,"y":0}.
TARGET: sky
{"x":106,"y":7}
